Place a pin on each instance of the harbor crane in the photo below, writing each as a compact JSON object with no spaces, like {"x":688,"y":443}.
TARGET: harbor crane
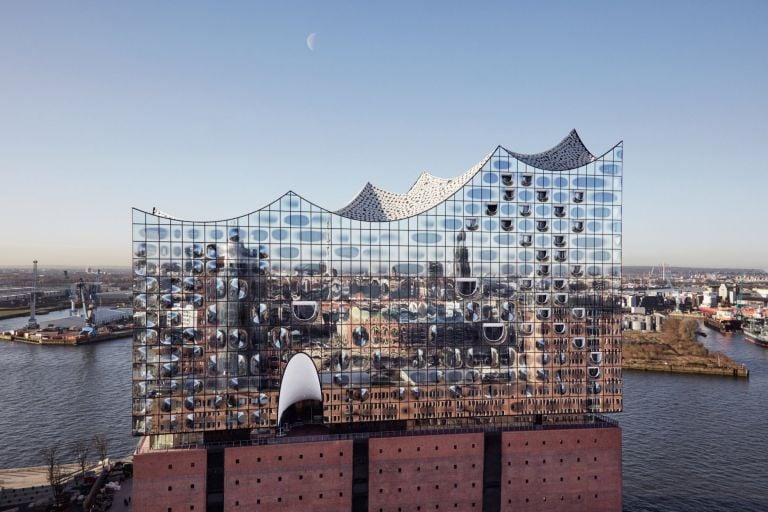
{"x":72,"y":294}
{"x":32,"y":324}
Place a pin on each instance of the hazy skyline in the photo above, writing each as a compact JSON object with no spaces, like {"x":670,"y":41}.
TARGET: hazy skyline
{"x":209,"y":111}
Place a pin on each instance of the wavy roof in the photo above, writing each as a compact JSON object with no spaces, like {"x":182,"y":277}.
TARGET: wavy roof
{"x":374,"y":204}
{"x":570,"y":153}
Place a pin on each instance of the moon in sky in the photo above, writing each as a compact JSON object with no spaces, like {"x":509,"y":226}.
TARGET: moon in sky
{"x":311,"y":41}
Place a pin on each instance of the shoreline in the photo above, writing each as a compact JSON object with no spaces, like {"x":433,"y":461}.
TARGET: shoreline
{"x":742,"y":373}
{"x":676,"y":349}
{"x":7,"y":314}
{"x":71,"y":342}
{"x":24,"y":477}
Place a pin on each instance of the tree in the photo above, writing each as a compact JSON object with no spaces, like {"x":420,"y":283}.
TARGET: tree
{"x":81,"y":455}
{"x":101,"y":445}
{"x":55,"y":475}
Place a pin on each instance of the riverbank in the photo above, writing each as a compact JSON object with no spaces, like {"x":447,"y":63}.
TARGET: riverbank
{"x":21,"y":486}
{"x":676,"y":350}
{"x":33,"y":476}
{"x":24,"y":312}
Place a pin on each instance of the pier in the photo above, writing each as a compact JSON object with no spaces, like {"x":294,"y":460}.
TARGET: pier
{"x":39,"y":339}
{"x":102,"y":324}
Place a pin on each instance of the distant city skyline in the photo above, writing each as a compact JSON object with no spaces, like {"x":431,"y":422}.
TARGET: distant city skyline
{"x":105,"y":105}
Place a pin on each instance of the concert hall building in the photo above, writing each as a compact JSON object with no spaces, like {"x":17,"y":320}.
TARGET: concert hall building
{"x":451,"y":348}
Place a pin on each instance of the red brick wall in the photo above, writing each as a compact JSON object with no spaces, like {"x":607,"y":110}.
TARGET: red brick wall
{"x":568,"y":469}
{"x":171,"y":480}
{"x":575,"y":469}
{"x":300,"y":476}
{"x":432,"y":472}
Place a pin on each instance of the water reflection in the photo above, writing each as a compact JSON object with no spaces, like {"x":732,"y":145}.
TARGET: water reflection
{"x":696,"y":443}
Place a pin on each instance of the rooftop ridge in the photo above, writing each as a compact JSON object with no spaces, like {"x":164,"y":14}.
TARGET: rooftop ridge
{"x":374,"y":204}
{"x":569,"y":153}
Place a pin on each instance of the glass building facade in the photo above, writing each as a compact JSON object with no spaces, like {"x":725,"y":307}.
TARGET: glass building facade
{"x":487,"y":297}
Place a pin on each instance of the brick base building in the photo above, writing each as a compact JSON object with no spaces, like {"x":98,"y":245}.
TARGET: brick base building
{"x":536,"y":468}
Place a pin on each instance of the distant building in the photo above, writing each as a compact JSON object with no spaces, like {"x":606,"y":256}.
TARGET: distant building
{"x":644,"y":322}
{"x":641,"y":303}
{"x":722,"y":291}
{"x":451,"y":347}
{"x":709,"y":299}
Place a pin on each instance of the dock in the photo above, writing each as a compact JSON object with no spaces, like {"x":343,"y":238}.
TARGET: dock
{"x":66,"y":340}
{"x":101,"y":325}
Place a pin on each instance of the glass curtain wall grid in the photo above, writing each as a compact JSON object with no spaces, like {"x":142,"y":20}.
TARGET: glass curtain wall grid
{"x":492,"y":294}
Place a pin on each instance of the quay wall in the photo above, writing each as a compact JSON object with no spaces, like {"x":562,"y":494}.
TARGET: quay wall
{"x":670,"y":368}
{"x":66,"y":341}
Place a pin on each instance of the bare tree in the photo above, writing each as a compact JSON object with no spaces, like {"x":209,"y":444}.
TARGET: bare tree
{"x":81,"y":454}
{"x":101,"y":445}
{"x":55,"y":475}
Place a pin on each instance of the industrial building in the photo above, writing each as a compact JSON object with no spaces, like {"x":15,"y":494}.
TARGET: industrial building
{"x":453,"y":347}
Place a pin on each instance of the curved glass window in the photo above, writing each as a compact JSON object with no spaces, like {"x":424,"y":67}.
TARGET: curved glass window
{"x":499,"y":283}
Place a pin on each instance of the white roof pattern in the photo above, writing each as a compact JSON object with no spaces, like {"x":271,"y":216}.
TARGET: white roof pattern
{"x":568,"y":154}
{"x":374,"y":204}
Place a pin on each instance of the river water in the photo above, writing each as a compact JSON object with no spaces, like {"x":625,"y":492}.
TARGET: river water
{"x":698,"y":443}
{"x":691,"y":443}
{"x":54,"y":395}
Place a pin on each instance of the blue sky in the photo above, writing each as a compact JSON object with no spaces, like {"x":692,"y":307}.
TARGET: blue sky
{"x":210,"y":110}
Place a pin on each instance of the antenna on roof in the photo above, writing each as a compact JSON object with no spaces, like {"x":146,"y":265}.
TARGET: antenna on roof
{"x":161,"y":213}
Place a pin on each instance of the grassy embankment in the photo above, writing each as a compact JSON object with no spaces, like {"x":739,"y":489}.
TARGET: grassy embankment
{"x":676,"y":349}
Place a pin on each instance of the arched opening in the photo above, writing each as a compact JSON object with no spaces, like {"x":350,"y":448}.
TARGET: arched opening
{"x":301,"y":400}
{"x":303,"y":412}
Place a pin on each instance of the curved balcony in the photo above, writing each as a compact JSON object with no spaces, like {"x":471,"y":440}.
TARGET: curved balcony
{"x":494,"y":333}
{"x":467,"y":287}
{"x":305,"y":311}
